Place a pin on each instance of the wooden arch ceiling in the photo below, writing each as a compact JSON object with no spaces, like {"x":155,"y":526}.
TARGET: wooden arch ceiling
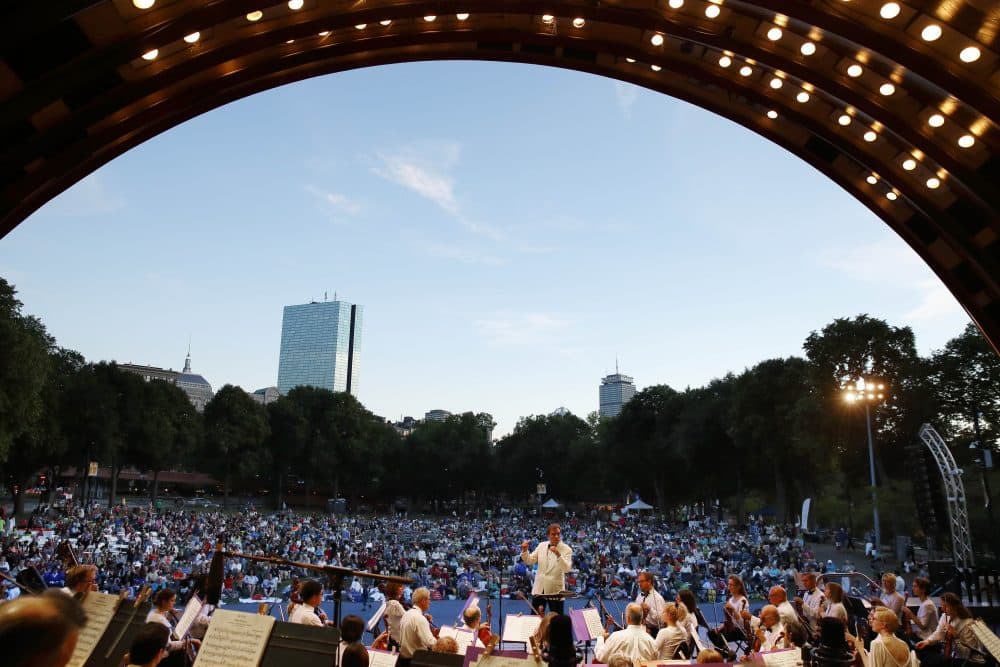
{"x":897,"y":102}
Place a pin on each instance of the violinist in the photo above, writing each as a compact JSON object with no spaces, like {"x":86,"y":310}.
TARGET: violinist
{"x":954,"y":631}
{"x":393,"y":612}
{"x":770,"y":634}
{"x":736,"y":609}
{"x":306,"y":613}
{"x":415,"y":628}
{"x":924,"y":622}
{"x":163,"y":613}
{"x":472,"y":618}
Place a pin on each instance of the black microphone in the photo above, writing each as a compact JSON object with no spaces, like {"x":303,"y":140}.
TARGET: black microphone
{"x":213,"y":586}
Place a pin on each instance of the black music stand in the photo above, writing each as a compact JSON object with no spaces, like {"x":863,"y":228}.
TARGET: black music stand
{"x":297,"y":645}
{"x":561,"y":597}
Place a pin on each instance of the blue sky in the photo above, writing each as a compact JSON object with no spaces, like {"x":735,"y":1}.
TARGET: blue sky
{"x":510,"y":231}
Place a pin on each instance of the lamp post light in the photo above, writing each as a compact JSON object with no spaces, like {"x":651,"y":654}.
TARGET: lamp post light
{"x":869,"y":391}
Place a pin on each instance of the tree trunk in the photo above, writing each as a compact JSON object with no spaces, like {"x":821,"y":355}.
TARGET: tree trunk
{"x":781,"y":497}
{"x":18,"y":497}
{"x":279,"y":489}
{"x":308,"y":493}
{"x":658,"y":491}
{"x":156,"y":486}
{"x":116,"y":469}
{"x":225,"y":487}
{"x":893,"y":521}
{"x":52,"y":471}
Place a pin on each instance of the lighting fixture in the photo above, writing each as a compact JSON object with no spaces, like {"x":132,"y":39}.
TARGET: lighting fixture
{"x":712,"y":11}
{"x":676,"y":4}
{"x":361,"y":26}
{"x":931,"y":32}
{"x":890,"y":10}
{"x":772,"y":114}
{"x":430,"y":18}
{"x":807,"y":48}
{"x":656,"y":40}
{"x":143,"y":4}
{"x":872,"y":179}
{"x":970,"y":54}
{"x":891,"y":196}
{"x":966,"y":141}
{"x":909,"y":164}
{"x":255,"y":16}
{"x":774,"y":34}
{"x":746,"y":70}
{"x":630,"y":60}
{"x":192,"y":38}
{"x":937,"y":120}
{"x":855,"y":70}
{"x":725,"y":61}
{"x":776,"y":83}
{"x":870,"y":136}
{"x":578,"y":22}
{"x":655,"y":68}
{"x":151,"y":54}
{"x":887,"y":89}
{"x":296,"y":5}
{"x":463,"y":16}
{"x":933,"y":183}
{"x":548,"y":18}
{"x":844,"y":120}
{"x":802,"y":97}
{"x":324,"y":33}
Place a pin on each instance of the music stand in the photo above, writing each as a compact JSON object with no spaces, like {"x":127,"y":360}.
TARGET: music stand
{"x":561,"y":596}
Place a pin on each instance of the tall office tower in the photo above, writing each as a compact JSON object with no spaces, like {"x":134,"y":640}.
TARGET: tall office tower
{"x":615,"y":392}
{"x":320,"y":343}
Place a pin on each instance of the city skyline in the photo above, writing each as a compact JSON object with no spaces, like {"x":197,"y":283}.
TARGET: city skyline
{"x":320,"y":346}
{"x":508,"y":240}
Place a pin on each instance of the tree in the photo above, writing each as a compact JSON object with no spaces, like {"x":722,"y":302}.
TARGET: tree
{"x":24,"y":368}
{"x":966,"y":377}
{"x":235,"y":431}
{"x":288,"y":427}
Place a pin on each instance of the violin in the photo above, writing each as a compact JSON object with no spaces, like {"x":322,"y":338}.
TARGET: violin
{"x":484,"y":628}
{"x":189,"y":650}
{"x":435,"y":630}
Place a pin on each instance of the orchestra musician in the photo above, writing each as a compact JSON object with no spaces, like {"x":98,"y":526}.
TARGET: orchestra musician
{"x":163,"y":613}
{"x":306,"y":613}
{"x":770,"y":633}
{"x":652,"y":603}
{"x":835,"y":606}
{"x":672,"y":638}
{"x":813,"y":601}
{"x":954,"y":631}
{"x":393,"y":612}
{"x":149,"y":647}
{"x":890,"y":597}
{"x":924,"y":622}
{"x":887,"y":650}
{"x":778,"y":597}
{"x":80,"y":579}
{"x":415,"y":629}
{"x":554,"y":559}
{"x":736,"y":609}
{"x":633,"y":641}
{"x":471,"y":617}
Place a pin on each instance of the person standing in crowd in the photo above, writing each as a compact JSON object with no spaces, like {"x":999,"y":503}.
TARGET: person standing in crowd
{"x":415,"y":629}
{"x":633,"y":641}
{"x":651,"y":601}
{"x":554,"y":559}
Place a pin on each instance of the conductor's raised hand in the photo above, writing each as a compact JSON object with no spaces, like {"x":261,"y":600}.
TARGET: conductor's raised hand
{"x":524,"y":545}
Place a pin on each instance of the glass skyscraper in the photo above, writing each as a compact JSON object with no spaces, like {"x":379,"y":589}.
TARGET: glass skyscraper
{"x":615,"y":392}
{"x":320,"y":344}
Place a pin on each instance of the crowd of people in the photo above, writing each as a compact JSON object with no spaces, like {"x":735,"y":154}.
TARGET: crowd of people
{"x":451,"y":556}
{"x":664,"y":569}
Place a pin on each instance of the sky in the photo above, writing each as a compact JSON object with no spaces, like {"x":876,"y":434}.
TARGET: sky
{"x":511,"y":231}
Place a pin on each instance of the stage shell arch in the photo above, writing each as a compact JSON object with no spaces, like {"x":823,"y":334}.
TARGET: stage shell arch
{"x":897,"y":102}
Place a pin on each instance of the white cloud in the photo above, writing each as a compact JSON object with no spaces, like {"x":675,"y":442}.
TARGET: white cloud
{"x":336,"y":201}
{"x":891,"y":262}
{"x":522,"y":328}
{"x":425,"y":170}
{"x":90,"y":196}
{"x":626,"y":94}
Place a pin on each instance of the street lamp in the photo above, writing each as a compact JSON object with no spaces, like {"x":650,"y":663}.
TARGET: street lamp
{"x":869,"y":391}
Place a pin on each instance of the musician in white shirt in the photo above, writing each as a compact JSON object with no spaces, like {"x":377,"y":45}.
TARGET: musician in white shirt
{"x":312,"y":596}
{"x":737,"y":612}
{"x":554,"y":559}
{"x":415,"y":629}
{"x":652,"y":603}
{"x":813,"y":601}
{"x":954,"y":630}
{"x":771,"y":631}
{"x":633,"y":642}
{"x":925,"y":621}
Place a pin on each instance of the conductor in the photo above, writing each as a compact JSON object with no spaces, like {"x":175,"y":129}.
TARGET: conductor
{"x":555,"y":559}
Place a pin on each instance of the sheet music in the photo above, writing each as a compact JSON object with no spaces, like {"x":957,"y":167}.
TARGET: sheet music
{"x":518,"y":628}
{"x":100,"y":608}
{"x":784,"y":658}
{"x":464,"y":637}
{"x":234,"y":639}
{"x":376,"y":617}
{"x":986,"y":637}
{"x":191,"y":612}
{"x":593,"y":618}
{"x":378,"y":658}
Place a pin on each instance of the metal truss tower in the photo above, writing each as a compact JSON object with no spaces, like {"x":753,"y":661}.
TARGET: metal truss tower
{"x":958,"y":515}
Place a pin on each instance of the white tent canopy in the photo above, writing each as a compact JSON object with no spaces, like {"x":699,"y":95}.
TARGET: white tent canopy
{"x":550,"y":504}
{"x":638,"y":505}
